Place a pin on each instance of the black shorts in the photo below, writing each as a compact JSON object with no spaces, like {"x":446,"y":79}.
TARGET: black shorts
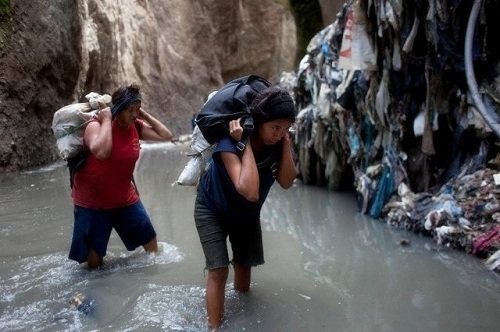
{"x":245,"y":237}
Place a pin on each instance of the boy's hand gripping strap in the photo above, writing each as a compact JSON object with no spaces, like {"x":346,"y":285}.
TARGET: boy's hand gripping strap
{"x":247,"y":130}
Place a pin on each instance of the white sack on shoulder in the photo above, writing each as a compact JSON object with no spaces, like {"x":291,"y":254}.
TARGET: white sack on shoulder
{"x":67,"y":126}
{"x":69,"y":123}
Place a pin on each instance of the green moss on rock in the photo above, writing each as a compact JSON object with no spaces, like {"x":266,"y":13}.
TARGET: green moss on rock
{"x":4,"y":7}
{"x":4,"y":21}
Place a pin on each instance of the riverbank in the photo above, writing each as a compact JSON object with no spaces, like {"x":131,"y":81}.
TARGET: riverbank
{"x":463,"y":215}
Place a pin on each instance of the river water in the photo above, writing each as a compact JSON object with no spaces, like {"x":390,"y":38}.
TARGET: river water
{"x":328,"y":268}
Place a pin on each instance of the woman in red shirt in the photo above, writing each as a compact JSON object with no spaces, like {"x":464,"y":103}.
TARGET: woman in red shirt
{"x":103,"y":194}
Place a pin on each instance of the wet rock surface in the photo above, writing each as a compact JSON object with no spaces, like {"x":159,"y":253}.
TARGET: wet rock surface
{"x":54,"y":53}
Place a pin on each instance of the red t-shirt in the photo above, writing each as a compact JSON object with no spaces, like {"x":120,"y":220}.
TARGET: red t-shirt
{"x":106,"y":184}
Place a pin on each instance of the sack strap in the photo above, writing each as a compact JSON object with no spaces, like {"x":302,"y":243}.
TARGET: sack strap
{"x":247,"y":130}
{"x":75,"y":163}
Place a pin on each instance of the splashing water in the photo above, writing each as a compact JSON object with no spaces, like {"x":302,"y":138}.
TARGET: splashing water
{"x":41,"y":286}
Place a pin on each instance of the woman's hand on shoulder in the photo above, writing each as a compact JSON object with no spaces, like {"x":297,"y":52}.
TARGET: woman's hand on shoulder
{"x":103,"y":115}
{"x":286,"y":140}
{"x":153,"y":129}
{"x":235,"y":129}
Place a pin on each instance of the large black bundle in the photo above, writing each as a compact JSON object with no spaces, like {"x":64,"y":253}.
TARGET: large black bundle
{"x":229,"y":103}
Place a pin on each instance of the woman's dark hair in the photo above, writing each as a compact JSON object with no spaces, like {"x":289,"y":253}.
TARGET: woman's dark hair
{"x":123,"y":97}
{"x":272,"y":103}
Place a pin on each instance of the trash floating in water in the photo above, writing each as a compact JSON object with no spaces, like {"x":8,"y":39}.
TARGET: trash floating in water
{"x":82,"y":303}
{"x":404,"y":242}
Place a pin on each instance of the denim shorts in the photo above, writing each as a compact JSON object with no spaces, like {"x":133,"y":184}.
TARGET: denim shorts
{"x":92,"y":229}
{"x":245,"y":237}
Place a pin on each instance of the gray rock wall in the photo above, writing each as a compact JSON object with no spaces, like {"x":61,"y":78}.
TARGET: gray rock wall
{"x":329,"y":10}
{"x":55,"y":52}
{"x":39,"y":66}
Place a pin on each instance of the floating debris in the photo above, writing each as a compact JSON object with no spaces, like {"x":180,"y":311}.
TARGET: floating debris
{"x":82,"y":303}
{"x":404,"y":242}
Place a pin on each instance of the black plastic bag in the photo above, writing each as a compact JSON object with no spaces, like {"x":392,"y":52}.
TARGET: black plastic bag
{"x":229,"y":103}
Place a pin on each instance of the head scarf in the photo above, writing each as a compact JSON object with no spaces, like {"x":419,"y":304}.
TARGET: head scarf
{"x":124,"y":101}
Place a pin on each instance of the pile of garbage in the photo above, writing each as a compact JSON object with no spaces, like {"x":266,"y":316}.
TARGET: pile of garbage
{"x":402,"y":100}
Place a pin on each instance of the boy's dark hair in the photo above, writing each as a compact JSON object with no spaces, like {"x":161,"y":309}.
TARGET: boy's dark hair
{"x":271,"y":104}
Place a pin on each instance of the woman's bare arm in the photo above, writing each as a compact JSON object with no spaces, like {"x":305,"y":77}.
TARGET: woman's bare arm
{"x":243,"y":172}
{"x":153,"y":129}
{"x":98,"y":135}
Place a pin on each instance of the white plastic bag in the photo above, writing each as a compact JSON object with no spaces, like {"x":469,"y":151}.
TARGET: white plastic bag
{"x":68,"y":124}
{"x":357,"y":51}
{"x":202,"y":152}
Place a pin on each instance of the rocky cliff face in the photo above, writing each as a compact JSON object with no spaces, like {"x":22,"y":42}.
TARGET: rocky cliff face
{"x":330,"y":9}
{"x":53,"y":53}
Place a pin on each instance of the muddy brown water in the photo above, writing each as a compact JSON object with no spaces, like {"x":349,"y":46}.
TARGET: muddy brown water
{"x":328,"y":268}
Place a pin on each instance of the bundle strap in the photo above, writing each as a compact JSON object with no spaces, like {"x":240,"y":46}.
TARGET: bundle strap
{"x":248,"y":127}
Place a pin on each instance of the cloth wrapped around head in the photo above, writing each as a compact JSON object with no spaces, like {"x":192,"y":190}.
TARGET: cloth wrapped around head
{"x":271,"y":104}
{"x":123,"y":97}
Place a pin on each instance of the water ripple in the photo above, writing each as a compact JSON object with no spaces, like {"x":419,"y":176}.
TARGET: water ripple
{"x":34,"y":294}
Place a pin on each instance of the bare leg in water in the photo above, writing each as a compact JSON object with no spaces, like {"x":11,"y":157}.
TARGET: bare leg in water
{"x":95,"y":261}
{"x":151,"y":246}
{"x":242,"y":276}
{"x":216,"y":284}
